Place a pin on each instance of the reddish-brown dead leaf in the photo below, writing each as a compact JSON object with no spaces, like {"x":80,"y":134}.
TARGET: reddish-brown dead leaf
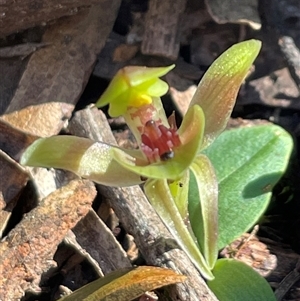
{"x":137,"y":282}
{"x":126,"y":285}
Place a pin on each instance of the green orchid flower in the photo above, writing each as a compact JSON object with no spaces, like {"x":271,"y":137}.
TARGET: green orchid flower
{"x":167,"y":157}
{"x":134,"y":86}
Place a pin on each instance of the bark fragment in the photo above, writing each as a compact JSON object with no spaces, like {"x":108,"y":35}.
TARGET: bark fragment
{"x":27,"y":251}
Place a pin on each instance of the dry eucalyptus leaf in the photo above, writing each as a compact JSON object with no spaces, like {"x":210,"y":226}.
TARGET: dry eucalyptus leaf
{"x":27,"y":251}
{"x":126,"y":285}
{"x":235,"y":11}
{"x":43,"y":120}
{"x":56,"y":75}
{"x":19,"y":15}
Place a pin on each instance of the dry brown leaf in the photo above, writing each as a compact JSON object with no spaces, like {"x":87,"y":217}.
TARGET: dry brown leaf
{"x":19,"y":15}
{"x":126,"y":286}
{"x":55,"y":75}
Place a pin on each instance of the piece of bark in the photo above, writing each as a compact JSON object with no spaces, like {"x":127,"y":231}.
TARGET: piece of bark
{"x":14,"y":141}
{"x":182,"y":99}
{"x":56,"y":75}
{"x":27,"y":251}
{"x":70,"y":240}
{"x":162,"y":22}
{"x":235,"y":11}
{"x":13,"y":179}
{"x":288,"y":282}
{"x":250,"y":250}
{"x":192,"y":19}
{"x":208,"y":42}
{"x":276,"y":89}
{"x":292,"y":55}
{"x":11,"y":72}
{"x":140,"y":220}
{"x":284,"y":278}
{"x":22,"y":14}
{"x":105,"y":66}
{"x":97,"y":239}
{"x":21,"y":50}
{"x":124,"y":53}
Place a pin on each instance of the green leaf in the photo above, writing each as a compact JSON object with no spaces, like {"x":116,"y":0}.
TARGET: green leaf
{"x":88,"y":159}
{"x":218,"y":88}
{"x":235,"y":281}
{"x":160,"y":197}
{"x":248,"y":163}
{"x":191,"y":137}
{"x":126,"y":284}
{"x":203,"y":207}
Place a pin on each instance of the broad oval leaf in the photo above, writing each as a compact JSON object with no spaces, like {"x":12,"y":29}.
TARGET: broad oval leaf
{"x":248,"y":163}
{"x":235,"y":281}
{"x":125,"y":285}
{"x":217,"y":90}
{"x":86,"y":158}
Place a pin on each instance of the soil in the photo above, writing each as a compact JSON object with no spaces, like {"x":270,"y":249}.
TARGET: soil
{"x":57,"y":62}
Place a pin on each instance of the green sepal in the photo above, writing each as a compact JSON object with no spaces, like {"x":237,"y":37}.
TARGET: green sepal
{"x":217,"y":90}
{"x":86,"y":158}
